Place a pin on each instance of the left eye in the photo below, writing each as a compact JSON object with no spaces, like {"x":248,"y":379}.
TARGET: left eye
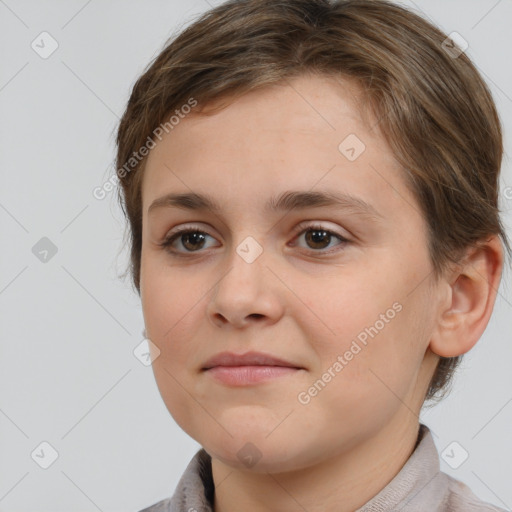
{"x":318,"y":237}
{"x":193,"y":239}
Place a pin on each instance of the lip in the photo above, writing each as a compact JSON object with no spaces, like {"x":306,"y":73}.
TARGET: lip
{"x":249,"y":368}
{"x":226,"y":359}
{"x":247,"y":375}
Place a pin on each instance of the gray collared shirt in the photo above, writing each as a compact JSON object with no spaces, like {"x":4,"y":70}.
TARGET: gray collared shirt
{"x":420,"y":486}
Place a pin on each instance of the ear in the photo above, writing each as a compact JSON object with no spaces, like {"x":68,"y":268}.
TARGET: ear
{"x":471,"y":291}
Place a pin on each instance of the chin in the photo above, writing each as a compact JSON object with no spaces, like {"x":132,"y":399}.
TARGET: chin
{"x":252,"y":457}
{"x":258,"y":454}
{"x":255,"y":439}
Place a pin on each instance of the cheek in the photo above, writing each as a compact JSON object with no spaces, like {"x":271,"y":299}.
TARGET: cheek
{"x":375,"y":326}
{"x":359,"y":305}
{"x":170,"y":304}
{"x":356,"y":393}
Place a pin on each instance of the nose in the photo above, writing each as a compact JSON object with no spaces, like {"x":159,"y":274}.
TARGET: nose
{"x":248,"y":293}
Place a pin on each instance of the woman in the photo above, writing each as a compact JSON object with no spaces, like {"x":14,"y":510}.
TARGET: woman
{"x":311,"y":191}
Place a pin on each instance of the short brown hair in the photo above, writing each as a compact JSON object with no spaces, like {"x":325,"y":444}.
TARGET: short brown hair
{"x":432,"y":106}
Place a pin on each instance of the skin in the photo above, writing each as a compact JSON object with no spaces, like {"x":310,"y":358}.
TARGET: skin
{"x":340,"y":449}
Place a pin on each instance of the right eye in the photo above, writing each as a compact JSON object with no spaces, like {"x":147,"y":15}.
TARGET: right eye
{"x":191,"y":238}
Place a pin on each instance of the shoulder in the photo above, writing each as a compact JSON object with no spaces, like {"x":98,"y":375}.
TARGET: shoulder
{"x":461,"y":498}
{"x":194,"y":491}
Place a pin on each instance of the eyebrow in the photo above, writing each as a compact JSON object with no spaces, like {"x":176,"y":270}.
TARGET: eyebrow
{"x":288,"y":200}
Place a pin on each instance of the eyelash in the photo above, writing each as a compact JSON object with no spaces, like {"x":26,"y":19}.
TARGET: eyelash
{"x":169,"y":240}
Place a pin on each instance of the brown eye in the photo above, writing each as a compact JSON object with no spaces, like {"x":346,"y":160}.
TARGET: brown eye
{"x":193,"y":240}
{"x":318,"y":238}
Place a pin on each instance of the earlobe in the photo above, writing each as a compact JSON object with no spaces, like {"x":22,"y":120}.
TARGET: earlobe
{"x":472,"y":290}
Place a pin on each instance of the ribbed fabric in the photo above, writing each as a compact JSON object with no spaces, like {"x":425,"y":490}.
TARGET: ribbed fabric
{"x":420,"y":486}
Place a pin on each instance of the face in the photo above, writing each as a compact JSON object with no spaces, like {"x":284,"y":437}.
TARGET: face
{"x":339,"y":290}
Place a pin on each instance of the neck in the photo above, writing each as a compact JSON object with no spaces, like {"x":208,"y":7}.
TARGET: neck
{"x":361,"y":473}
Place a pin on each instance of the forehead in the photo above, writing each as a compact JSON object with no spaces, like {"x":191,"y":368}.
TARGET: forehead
{"x":304,"y":134}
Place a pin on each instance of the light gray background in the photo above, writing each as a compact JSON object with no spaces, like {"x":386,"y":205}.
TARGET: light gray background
{"x":68,"y":375}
